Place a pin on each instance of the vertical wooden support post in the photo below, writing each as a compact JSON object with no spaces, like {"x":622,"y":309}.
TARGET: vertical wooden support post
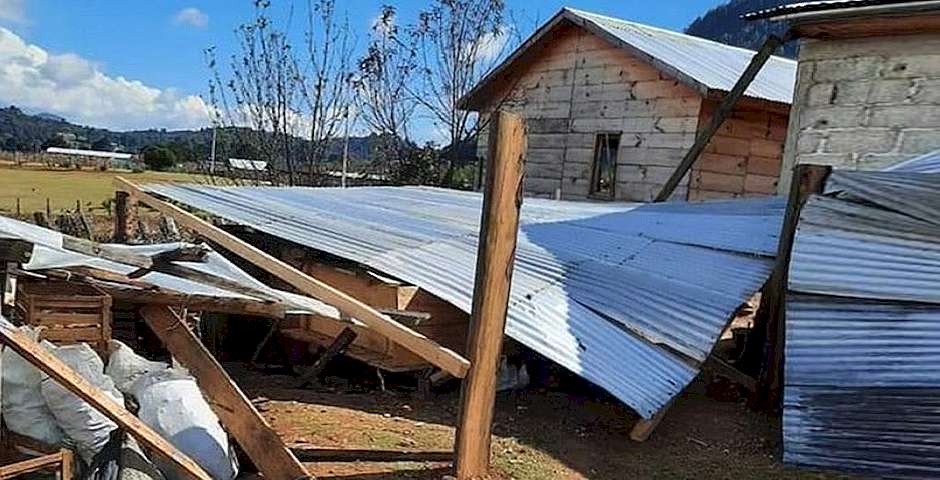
{"x":502,"y":198}
{"x":122,"y":208}
{"x":807,"y":180}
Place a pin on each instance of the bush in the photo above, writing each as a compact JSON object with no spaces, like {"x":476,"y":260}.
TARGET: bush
{"x":158,"y":157}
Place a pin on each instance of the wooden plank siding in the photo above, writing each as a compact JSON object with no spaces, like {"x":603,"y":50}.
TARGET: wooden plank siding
{"x":743,"y":158}
{"x":574,"y":85}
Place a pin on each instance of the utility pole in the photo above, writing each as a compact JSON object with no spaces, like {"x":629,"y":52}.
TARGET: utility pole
{"x":345,"y":150}
{"x":212,"y":154}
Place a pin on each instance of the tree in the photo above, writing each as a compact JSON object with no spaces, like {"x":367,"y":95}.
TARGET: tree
{"x":458,"y":42}
{"x":282,"y":93}
{"x":158,"y":157}
{"x":385,"y":103}
{"x":55,"y":141}
{"x":103,"y":144}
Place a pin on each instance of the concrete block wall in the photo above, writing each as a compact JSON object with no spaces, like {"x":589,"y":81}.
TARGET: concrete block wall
{"x":864,"y":104}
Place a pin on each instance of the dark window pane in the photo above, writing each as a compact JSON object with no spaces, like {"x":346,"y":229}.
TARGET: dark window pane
{"x":604,"y":171}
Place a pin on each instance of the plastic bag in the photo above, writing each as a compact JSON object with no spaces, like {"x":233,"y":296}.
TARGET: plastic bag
{"x":172,"y":404}
{"x":24,"y":409}
{"x":125,"y":366}
{"x":82,"y":423}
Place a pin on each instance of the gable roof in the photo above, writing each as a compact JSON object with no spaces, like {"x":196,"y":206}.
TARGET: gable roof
{"x":704,"y":65}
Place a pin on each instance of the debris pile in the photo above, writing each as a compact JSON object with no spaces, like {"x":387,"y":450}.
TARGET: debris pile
{"x":169,"y":401}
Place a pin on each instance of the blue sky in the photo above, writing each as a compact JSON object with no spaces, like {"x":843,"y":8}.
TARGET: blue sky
{"x":136,"y":64}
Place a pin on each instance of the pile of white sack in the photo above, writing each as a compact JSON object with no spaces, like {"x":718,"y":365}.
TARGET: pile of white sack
{"x":169,"y":401}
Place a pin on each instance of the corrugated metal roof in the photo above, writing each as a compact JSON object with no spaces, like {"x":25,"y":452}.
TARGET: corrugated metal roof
{"x":48,"y":254}
{"x":926,"y":163}
{"x":89,"y":153}
{"x":863,"y":328}
{"x":704,"y":64}
{"x":631,"y":297}
{"x":826,"y":6}
{"x":715,"y":65}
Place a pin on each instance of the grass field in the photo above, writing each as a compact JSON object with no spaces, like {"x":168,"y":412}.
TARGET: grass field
{"x":32,"y":186}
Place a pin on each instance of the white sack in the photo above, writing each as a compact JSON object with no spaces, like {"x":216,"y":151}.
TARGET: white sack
{"x":24,"y":409}
{"x":82,"y":423}
{"x":125,"y":367}
{"x":172,"y":404}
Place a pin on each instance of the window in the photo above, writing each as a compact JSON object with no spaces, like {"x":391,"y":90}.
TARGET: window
{"x":604,"y":170}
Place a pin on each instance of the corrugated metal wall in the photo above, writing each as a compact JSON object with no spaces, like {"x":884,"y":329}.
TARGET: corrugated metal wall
{"x":863,"y":328}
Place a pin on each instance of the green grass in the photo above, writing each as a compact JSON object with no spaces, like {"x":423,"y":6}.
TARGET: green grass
{"x":32,"y":186}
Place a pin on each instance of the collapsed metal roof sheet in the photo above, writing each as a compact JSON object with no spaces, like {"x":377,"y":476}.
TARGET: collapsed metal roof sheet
{"x":863,"y":328}
{"x":49,"y":254}
{"x":631,"y":297}
{"x":926,"y":163}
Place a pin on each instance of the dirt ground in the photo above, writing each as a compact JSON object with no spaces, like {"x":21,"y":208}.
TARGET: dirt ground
{"x":540,"y":434}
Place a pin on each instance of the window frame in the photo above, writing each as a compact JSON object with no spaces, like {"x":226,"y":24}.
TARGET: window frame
{"x":595,"y":165}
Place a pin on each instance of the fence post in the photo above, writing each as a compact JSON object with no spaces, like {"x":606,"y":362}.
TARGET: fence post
{"x":502,"y":198}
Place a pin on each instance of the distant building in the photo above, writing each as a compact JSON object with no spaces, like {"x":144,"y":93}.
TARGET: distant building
{"x":249,"y":165}
{"x":612,"y":106}
{"x":96,"y":158}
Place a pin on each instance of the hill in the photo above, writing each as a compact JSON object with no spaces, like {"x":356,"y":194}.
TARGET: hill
{"x":723,"y":24}
{"x":23,"y":132}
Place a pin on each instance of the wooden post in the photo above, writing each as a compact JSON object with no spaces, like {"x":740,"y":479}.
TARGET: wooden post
{"x":265,"y":448}
{"x":807,"y":180}
{"x":342,"y":341}
{"x":499,"y":225}
{"x":121,"y":211}
{"x":727,"y":105}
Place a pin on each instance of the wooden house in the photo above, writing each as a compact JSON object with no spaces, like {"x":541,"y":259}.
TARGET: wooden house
{"x":612,"y":106}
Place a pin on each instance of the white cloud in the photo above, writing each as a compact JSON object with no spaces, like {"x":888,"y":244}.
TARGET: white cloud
{"x":492,"y":45}
{"x":71,"y":86}
{"x":190,"y":16}
{"x":13,"y":11}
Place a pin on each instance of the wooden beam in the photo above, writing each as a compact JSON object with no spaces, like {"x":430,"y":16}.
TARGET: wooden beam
{"x":346,"y":455}
{"x":643,"y":428}
{"x":411,"y":340}
{"x":807,"y":180}
{"x":265,"y":448}
{"x":342,"y":341}
{"x":35,"y":354}
{"x":727,"y":105}
{"x":502,"y":199}
{"x":36,"y":464}
{"x":121,"y":288}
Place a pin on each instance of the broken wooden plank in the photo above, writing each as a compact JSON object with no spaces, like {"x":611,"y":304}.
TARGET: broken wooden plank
{"x":720,"y":367}
{"x":502,"y":199}
{"x":413,"y":341}
{"x":265,"y":448}
{"x":346,"y":455}
{"x":342,"y":341}
{"x":643,"y":427}
{"x":121,"y":288}
{"x":35,"y":354}
{"x":61,"y":459}
{"x":727,"y":105}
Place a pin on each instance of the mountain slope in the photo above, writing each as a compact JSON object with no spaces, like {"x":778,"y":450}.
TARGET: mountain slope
{"x":723,"y":24}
